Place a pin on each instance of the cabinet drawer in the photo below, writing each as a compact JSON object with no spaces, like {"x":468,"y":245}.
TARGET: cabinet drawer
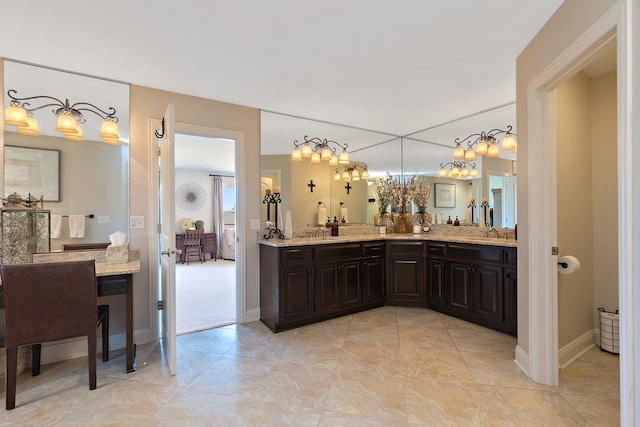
{"x":373,"y":249}
{"x":324,"y":252}
{"x":437,"y":249}
{"x":112,"y":285}
{"x":297,"y":255}
{"x":477,"y":252}
{"x":411,"y":248}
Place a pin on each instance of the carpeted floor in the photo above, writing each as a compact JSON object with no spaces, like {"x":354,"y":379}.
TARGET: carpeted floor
{"x":206,"y":295}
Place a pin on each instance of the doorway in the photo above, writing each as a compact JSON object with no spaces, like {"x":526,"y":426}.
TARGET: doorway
{"x":205,"y":182}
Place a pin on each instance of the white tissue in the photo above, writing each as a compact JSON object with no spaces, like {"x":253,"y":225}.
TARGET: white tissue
{"x":322,"y":215}
{"x":572,"y":264}
{"x":118,"y":238}
{"x":118,"y":250}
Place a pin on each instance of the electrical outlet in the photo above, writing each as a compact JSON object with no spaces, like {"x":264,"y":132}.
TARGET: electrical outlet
{"x":255,"y":224}
{"x":104,"y":219}
{"x":136,"y":222}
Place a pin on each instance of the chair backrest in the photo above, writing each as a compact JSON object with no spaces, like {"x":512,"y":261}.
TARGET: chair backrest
{"x":49,"y":301}
{"x":193,"y":237}
{"x":84,"y":246}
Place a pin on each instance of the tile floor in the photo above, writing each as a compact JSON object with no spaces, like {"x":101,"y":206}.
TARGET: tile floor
{"x":384,"y":367}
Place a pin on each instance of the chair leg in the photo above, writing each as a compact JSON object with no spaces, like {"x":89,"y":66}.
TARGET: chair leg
{"x":11,"y":373}
{"x":36,"y":352}
{"x":91,"y":343}
{"x":103,"y":320}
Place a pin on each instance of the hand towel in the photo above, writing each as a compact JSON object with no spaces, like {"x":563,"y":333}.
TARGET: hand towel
{"x":322,"y":215}
{"x":56,"y":226}
{"x":76,"y":226}
{"x":344,"y":214}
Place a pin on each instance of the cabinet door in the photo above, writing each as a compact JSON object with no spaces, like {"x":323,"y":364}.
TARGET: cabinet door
{"x":406,"y":280}
{"x":460,"y":295}
{"x":327,"y":288}
{"x":350,"y":284}
{"x":297,"y":292}
{"x":436,"y":282}
{"x":511,"y":300}
{"x":373,"y":275}
{"x":489,"y":292}
{"x":210,"y":244}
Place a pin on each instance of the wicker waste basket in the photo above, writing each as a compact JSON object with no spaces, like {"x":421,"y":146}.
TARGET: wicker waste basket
{"x":609,"y":331}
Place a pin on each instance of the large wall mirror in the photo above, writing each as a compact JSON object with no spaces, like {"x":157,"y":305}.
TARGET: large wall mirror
{"x":419,"y":153}
{"x":93,"y":176}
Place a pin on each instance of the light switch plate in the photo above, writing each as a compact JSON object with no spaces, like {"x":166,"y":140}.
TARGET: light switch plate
{"x":136,"y":222}
{"x":106,"y":219}
{"x":255,"y":224}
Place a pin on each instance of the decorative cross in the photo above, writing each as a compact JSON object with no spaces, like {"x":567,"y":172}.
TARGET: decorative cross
{"x":311,"y":185}
{"x":348,"y":187}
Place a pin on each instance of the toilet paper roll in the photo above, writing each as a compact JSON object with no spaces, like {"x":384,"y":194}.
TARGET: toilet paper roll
{"x":568,"y":264}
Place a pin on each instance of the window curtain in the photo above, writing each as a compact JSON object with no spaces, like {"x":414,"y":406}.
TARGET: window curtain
{"x":218,"y":211}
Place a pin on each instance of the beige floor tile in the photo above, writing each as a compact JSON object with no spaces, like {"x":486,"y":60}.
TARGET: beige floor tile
{"x":483,"y":340}
{"x":440,"y":365}
{"x":268,"y":414}
{"x":337,"y":419}
{"x":374,"y":359}
{"x":425,"y":338}
{"x":420,"y":317}
{"x":584,"y":378}
{"x":596,"y":411}
{"x":316,"y":351}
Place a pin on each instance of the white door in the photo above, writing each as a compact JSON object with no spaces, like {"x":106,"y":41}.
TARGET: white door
{"x":167,"y":238}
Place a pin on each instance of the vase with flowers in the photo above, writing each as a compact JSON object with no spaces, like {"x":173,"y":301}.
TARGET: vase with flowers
{"x":403,"y":191}
{"x":422,"y":200}
{"x":383,"y":193}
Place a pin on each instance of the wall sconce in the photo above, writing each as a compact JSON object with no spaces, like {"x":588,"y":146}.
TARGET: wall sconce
{"x":20,"y":113}
{"x":458,"y":169}
{"x":485,"y":144}
{"x":318,"y":150}
{"x":350,"y":173}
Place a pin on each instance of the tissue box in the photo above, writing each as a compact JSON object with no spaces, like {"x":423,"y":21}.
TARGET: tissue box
{"x":118,"y":254}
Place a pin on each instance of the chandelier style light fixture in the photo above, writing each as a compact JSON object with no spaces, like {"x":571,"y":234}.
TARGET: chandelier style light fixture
{"x":350,"y":172}
{"x":486,"y":144}
{"x":70,"y":116}
{"x":318,"y":150}
{"x":458,"y":169}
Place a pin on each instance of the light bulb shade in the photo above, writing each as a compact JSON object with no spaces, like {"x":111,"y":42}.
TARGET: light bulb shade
{"x":365,"y":174}
{"x":345,"y":176}
{"x":333,"y":161}
{"x":74,"y":136}
{"x":315,"y":157}
{"x":493,"y":150}
{"x":455,"y":171}
{"x":296,"y":155}
{"x":109,"y":129}
{"x":443,"y":173}
{"x":458,"y":153}
{"x":481,"y":148}
{"x":469,"y":155}
{"x":111,"y":141}
{"x":474,"y":172}
{"x":344,"y":157}
{"x":306,"y":151}
{"x":325,"y":154}
{"x":66,"y":124}
{"x":15,"y":116}
{"x":464,"y":172}
{"x":336,"y":177}
{"x":32,"y":128}
{"x":515,"y":147}
{"x":355,"y":175}
{"x":508,"y":142}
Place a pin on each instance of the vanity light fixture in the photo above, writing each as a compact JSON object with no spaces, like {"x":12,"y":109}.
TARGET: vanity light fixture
{"x":458,"y":169}
{"x":318,"y":150}
{"x":486,"y":144}
{"x":70,"y":116}
{"x":350,"y":172}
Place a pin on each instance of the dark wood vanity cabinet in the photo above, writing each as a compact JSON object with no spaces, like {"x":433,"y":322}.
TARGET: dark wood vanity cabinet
{"x":406,"y":283}
{"x":305,"y":284}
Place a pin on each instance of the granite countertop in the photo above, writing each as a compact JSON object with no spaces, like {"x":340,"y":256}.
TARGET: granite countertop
{"x":304,"y":241}
{"x":103,"y":268}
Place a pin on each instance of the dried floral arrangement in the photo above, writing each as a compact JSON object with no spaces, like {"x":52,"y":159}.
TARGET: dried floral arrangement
{"x":403,"y":191}
{"x":383,"y":193}
{"x":424,"y":191}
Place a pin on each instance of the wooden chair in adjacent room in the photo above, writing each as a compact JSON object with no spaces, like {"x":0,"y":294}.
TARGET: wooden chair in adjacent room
{"x":193,"y":245}
{"x":48,"y":302}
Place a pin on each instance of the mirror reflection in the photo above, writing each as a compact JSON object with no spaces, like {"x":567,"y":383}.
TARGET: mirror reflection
{"x":92,"y":178}
{"x":306,"y":187}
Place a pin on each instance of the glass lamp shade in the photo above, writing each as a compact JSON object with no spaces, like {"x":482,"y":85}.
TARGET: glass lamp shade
{"x":296,"y":155}
{"x":315,"y":158}
{"x":66,"y":124}
{"x":109,"y":129}
{"x":345,"y":176}
{"x":344,"y":157}
{"x":493,"y":150}
{"x":464,"y":172}
{"x":515,"y":146}
{"x":15,"y":116}
{"x":365,"y":174}
{"x":455,"y":171}
{"x":74,"y":136}
{"x":336,"y":177}
{"x":473,"y":173}
{"x":458,"y":153}
{"x":325,"y":154}
{"x":469,"y":155}
{"x":306,"y":151}
{"x":32,"y":128}
{"x":451,"y":175}
{"x":355,"y":175}
{"x":442,"y":173}
{"x":481,"y":148}
{"x":112,"y":141}
{"x":508,"y":142}
{"x":333,"y":161}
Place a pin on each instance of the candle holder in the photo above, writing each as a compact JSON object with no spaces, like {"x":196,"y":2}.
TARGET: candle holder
{"x":472,"y":205}
{"x":485,"y":205}
{"x":273,"y":199}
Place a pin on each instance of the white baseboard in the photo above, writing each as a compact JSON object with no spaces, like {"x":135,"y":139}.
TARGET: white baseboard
{"x":252,"y":315}
{"x":572,"y":351}
{"x":522,"y":361}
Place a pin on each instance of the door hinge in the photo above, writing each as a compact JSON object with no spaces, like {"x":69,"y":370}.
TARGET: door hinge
{"x":161,"y":305}
{"x":159,"y":228}
{"x":158,"y":151}
{"x":555,"y":250}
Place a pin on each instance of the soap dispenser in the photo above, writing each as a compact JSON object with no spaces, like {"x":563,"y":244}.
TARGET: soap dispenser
{"x":449,"y":220}
{"x":456,"y":222}
{"x":334,"y":227}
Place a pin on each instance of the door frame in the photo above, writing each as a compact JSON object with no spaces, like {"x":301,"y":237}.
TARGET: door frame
{"x":213,"y":132}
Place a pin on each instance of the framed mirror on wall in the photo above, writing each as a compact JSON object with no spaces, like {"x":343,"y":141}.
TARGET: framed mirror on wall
{"x":92,"y":176}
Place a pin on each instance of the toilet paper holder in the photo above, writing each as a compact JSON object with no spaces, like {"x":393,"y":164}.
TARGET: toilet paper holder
{"x":563,"y":264}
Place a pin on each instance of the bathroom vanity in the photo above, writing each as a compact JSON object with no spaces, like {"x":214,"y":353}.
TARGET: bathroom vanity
{"x":303,"y":281}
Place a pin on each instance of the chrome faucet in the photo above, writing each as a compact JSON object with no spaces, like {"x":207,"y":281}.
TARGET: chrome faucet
{"x":320,"y":230}
{"x":491,"y":229}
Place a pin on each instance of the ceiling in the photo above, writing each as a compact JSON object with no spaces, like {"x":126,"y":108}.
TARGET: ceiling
{"x":364,"y":72}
